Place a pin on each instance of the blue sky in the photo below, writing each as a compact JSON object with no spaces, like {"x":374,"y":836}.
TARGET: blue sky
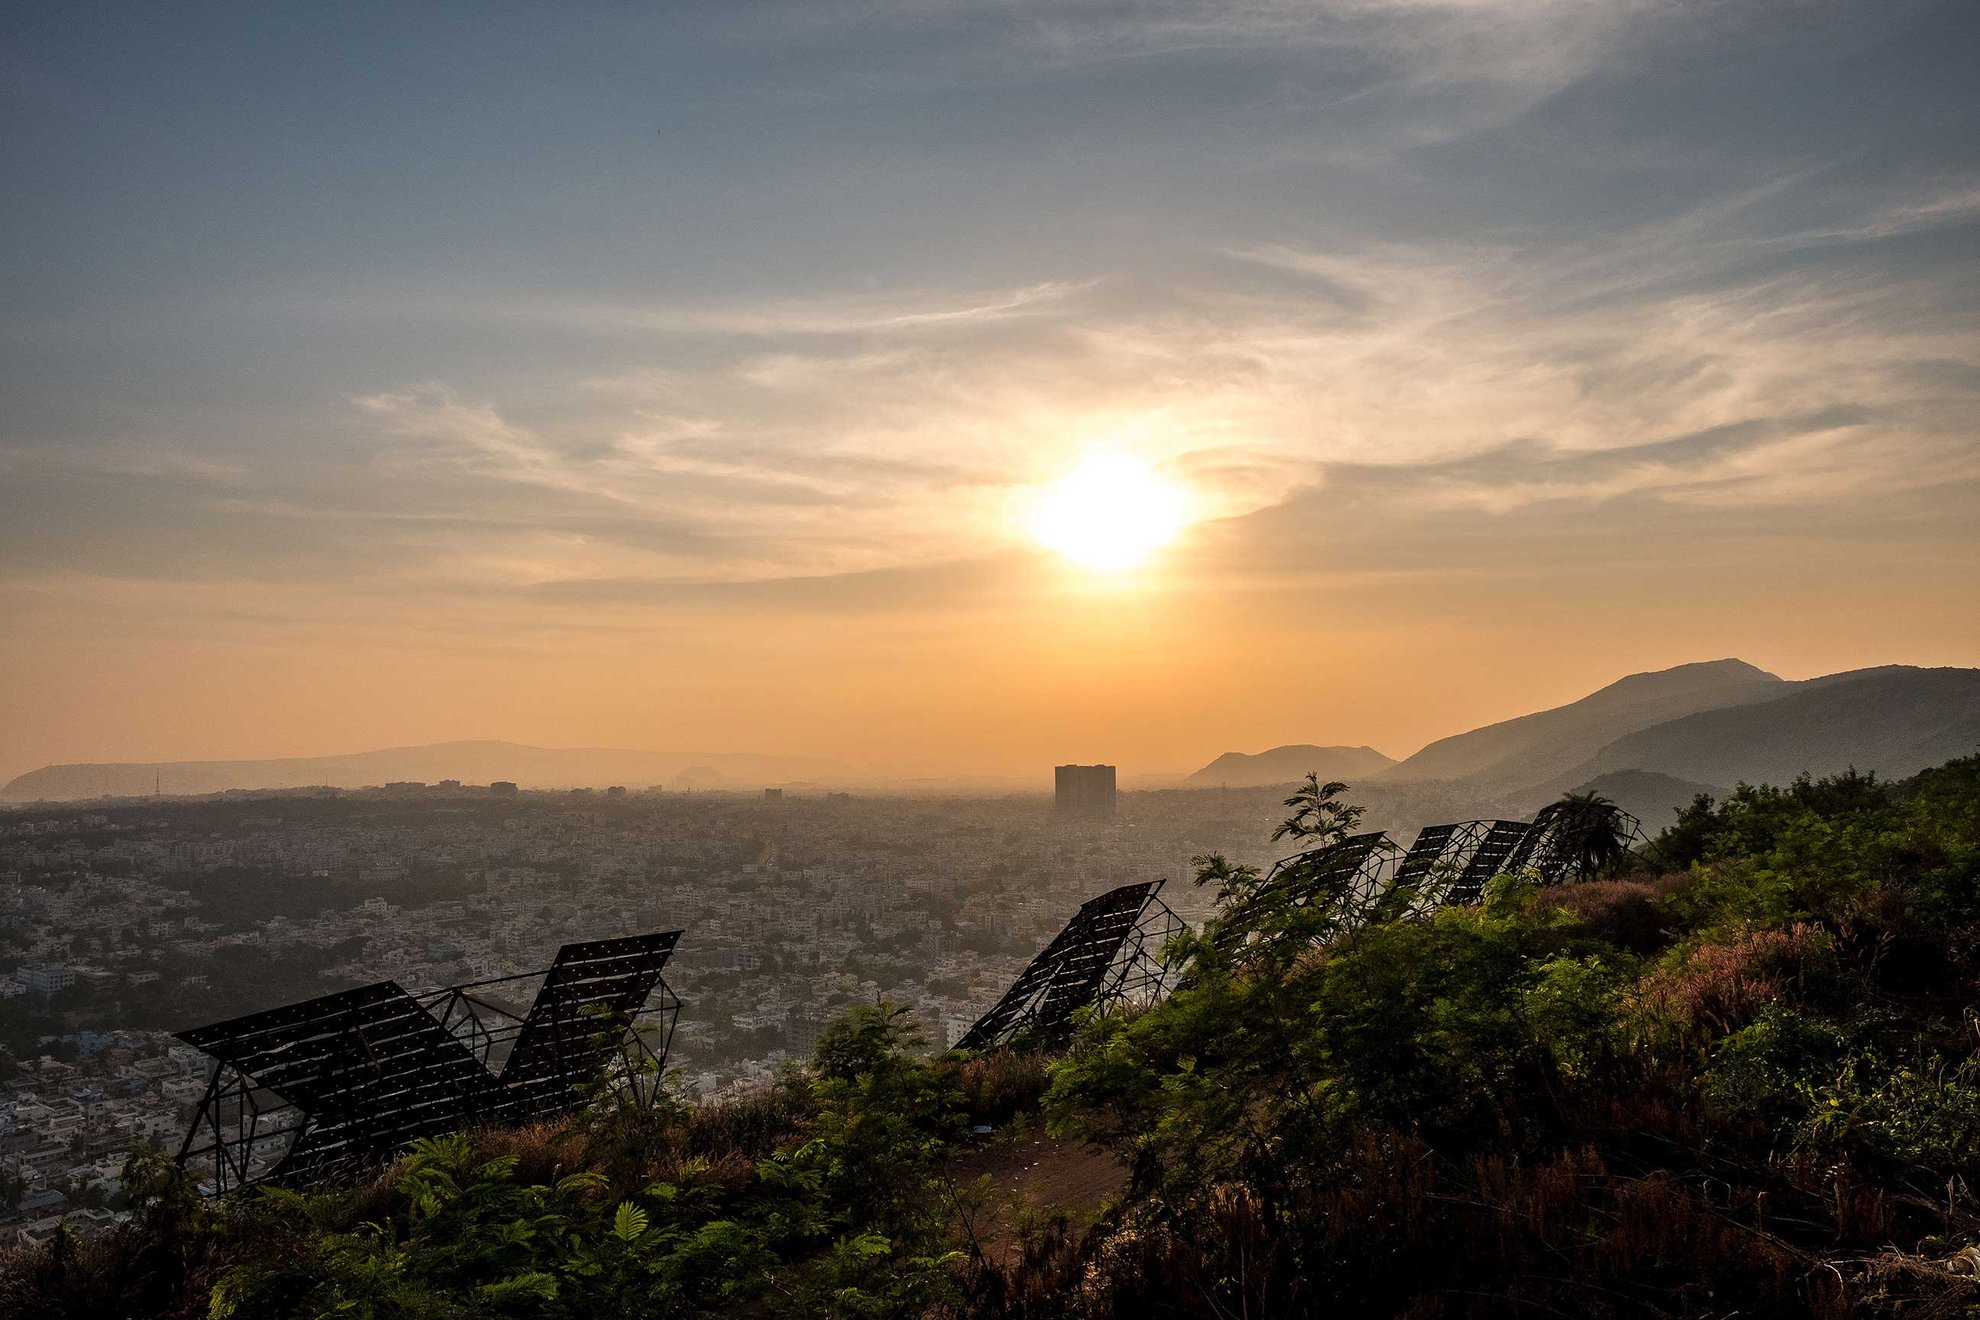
{"x":669,"y":375}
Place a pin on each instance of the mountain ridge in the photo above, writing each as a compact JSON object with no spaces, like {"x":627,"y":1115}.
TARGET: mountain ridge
{"x":1530,"y":749}
{"x":1288,"y":764}
{"x":469,"y":760}
{"x":1661,"y":736}
{"x":1894,"y":720}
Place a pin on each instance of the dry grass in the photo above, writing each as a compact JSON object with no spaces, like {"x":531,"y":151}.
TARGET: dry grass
{"x":1721,"y":986}
{"x":998,"y":1086}
{"x":1397,"y":1232}
{"x":1630,"y":914}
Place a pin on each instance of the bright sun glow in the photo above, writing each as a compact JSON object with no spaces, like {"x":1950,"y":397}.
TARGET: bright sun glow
{"x":1110,"y":513}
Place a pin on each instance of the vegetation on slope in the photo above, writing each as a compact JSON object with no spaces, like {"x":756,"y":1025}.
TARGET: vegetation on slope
{"x":1741,"y":1082}
{"x":1748,"y":1087}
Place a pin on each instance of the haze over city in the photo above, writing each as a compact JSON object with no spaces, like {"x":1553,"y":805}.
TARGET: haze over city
{"x":967,"y":389}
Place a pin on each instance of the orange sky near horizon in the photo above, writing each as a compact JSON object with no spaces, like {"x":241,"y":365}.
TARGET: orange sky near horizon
{"x":1033,"y":667}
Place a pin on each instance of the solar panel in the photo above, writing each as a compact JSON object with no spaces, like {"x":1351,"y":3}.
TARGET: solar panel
{"x":1333,"y":874}
{"x":1069,"y":973}
{"x":369,"y":1068}
{"x":579,"y":1019}
{"x":993,"y":1026}
{"x":1575,"y":840}
{"x":1503,"y":841}
{"x":1425,"y":853}
{"x":1423,"y":877}
{"x":342,"y":1081}
{"x":1086,"y":962}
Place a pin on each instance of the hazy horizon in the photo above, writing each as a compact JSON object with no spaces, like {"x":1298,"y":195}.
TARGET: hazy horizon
{"x":848,"y":758}
{"x":743,"y":768}
{"x":723,"y":377}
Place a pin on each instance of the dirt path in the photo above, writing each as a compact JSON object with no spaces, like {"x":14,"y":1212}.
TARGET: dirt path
{"x":1045,"y":1174}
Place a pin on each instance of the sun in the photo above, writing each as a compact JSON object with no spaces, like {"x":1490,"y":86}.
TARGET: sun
{"x":1109,"y":514}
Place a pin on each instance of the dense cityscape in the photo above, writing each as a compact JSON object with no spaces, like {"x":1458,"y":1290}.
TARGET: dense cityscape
{"x":122,"y":922}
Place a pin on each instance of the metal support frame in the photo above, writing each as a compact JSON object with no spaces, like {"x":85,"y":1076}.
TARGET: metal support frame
{"x":1501,"y":850}
{"x":1367,"y":877}
{"x":244,"y":1128}
{"x":1344,"y":878}
{"x":334,"y":1085}
{"x":1558,"y":844}
{"x":1105,"y":955}
{"x":1138,"y":977}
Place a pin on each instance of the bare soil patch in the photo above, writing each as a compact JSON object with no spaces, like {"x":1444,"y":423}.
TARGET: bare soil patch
{"x":1036,"y":1177}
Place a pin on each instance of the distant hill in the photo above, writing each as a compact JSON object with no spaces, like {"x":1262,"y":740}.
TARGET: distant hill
{"x":1895,"y":720}
{"x":1289,"y":764}
{"x":1652,"y":798}
{"x":470,"y":762}
{"x":1653,"y":741}
{"x":1539,"y":748}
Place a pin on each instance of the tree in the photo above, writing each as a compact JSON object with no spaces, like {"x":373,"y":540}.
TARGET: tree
{"x":1293,"y":905}
{"x":1589,"y":834}
{"x":1319,"y":817}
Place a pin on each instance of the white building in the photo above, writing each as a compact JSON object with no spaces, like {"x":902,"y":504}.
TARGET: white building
{"x":46,"y":978}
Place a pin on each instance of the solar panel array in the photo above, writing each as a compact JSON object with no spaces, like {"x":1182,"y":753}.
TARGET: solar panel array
{"x":1363,"y":878}
{"x":339,"y":1083}
{"x":1072,"y":972}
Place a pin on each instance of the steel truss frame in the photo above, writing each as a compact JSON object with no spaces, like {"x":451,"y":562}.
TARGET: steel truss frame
{"x":1558,"y":852}
{"x":1107,"y":955}
{"x":1359,"y":879}
{"x":1345,"y":878}
{"x":1502,"y":846}
{"x":334,"y":1085}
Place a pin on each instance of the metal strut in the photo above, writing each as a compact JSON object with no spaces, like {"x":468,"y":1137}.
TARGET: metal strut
{"x":334,"y":1085}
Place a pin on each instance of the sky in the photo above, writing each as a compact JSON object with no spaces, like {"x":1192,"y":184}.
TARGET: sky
{"x":681,"y":376}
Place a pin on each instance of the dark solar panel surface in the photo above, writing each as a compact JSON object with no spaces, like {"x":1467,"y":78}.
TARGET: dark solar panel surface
{"x":1066,"y":974}
{"x":586,"y":1006}
{"x":372,"y":1069}
{"x":369,"y":1067}
{"x":1425,"y":853}
{"x":1494,"y":854}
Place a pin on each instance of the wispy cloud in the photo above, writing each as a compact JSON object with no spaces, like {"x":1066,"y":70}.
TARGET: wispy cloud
{"x":885,"y":419}
{"x":826,"y":315}
{"x":853,"y":433}
{"x":1410,"y":71}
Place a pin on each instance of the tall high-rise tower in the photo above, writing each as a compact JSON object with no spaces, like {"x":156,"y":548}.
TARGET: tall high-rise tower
{"x":1084,"y":790}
